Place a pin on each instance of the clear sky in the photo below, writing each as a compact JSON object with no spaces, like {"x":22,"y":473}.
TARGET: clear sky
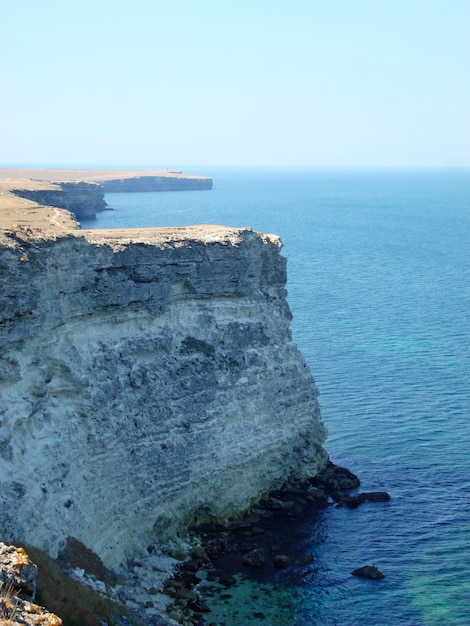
{"x":147,"y":83}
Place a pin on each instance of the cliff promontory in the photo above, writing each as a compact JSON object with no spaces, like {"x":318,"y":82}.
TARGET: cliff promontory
{"x":82,"y":191}
{"x":148,"y":380}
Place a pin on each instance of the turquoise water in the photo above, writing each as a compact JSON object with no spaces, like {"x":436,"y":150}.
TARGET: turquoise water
{"x":379,"y":286}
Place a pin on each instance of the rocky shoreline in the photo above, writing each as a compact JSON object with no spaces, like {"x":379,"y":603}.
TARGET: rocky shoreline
{"x":259,"y":543}
{"x":176,"y":583}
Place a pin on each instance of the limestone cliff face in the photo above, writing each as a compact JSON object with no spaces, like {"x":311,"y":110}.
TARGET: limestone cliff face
{"x":147,"y":379}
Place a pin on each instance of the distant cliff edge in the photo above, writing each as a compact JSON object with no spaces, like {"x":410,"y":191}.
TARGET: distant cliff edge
{"x":82,"y":191}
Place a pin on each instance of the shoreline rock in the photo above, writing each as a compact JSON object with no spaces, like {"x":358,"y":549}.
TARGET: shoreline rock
{"x":355,"y":500}
{"x":253,"y":545}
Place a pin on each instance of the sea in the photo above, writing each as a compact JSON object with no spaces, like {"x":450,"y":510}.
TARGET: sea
{"x":379,"y":287}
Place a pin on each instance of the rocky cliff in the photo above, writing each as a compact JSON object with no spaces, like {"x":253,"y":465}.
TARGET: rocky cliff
{"x":82,"y":199}
{"x":148,"y":380}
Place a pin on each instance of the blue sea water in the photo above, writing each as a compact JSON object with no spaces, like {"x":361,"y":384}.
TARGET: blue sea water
{"x":379,"y":287}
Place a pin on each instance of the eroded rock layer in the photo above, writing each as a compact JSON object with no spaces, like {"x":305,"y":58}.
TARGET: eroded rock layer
{"x":147,"y":380}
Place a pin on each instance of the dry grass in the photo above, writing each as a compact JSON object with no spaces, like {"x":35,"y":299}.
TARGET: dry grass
{"x":8,"y":606}
{"x":76,"y":604}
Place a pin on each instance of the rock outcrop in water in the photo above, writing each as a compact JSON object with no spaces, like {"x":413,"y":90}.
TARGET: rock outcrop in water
{"x":148,"y":381}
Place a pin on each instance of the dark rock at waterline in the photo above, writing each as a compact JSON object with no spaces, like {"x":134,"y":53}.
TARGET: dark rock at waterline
{"x":354,"y":501}
{"x":368,"y":571}
{"x":317,"y":496}
{"x":272,"y":504}
{"x":199,"y":606}
{"x":251,"y":545}
{"x":255,"y":558}
{"x":377,"y":496}
{"x":248,"y":522}
{"x":307,"y":559}
{"x":335,"y":478}
{"x":281,"y":560}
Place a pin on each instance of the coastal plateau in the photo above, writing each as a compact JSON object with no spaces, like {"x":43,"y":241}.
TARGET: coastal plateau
{"x":148,"y":377}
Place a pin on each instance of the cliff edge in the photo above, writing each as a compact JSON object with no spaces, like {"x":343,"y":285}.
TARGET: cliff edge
{"x":148,"y":381}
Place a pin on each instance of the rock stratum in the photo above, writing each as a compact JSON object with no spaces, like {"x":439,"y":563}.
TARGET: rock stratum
{"x":148,"y":381}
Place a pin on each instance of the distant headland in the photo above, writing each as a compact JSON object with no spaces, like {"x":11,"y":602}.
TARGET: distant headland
{"x":80,"y":191}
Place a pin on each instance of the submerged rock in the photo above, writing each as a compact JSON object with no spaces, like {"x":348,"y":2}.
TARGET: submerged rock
{"x":368,"y":571}
{"x":255,"y":558}
{"x":228,"y":580}
{"x":355,"y":500}
{"x":281,"y":560}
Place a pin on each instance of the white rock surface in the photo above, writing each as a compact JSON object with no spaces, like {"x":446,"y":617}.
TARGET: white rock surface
{"x":147,"y":379}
